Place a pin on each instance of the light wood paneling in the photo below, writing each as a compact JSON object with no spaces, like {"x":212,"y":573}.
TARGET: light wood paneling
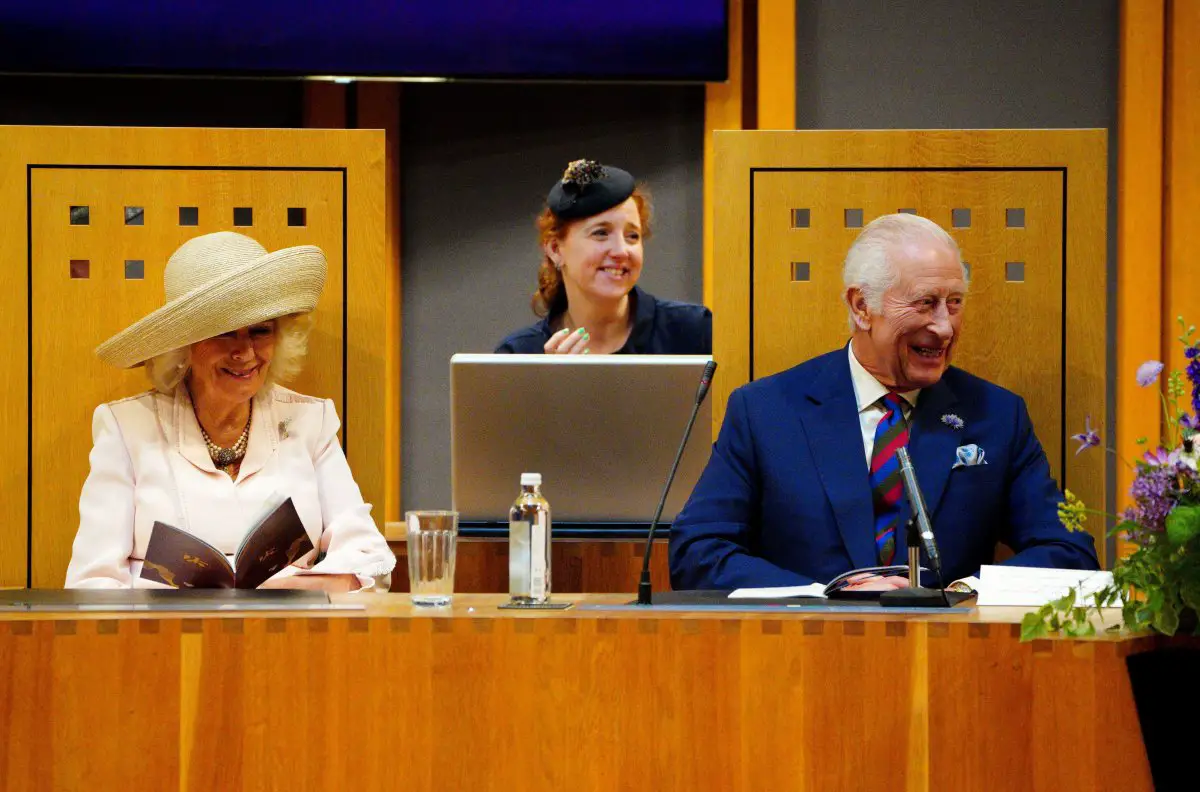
{"x":1012,"y":330}
{"x":632,"y":699}
{"x":69,"y":318}
{"x":108,"y":301}
{"x":722,"y":110}
{"x":745,"y":158}
{"x":1139,"y":230}
{"x":1181,"y":291}
{"x":379,"y":108}
{"x":776,"y":64}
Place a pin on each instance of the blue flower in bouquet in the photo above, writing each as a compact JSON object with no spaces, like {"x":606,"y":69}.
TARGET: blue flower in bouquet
{"x":1192,"y":353}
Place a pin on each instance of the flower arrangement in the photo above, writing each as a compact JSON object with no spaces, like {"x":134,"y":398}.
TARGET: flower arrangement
{"x":1158,"y":585}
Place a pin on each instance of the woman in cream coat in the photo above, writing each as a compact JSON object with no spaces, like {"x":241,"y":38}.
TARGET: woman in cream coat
{"x":218,"y":440}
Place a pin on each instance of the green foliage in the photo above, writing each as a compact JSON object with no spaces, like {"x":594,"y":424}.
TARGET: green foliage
{"x":1183,"y":525}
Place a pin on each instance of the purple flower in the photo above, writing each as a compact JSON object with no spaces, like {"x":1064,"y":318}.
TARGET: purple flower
{"x":1189,"y":422}
{"x":1087,"y":438}
{"x":953,"y":421}
{"x":1161,"y":456}
{"x":1156,"y":491}
{"x":1147,"y":373}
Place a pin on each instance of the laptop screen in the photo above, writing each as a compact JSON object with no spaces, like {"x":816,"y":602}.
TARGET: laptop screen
{"x":601,"y":430}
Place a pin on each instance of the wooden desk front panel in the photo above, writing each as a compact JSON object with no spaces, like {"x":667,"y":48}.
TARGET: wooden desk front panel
{"x":611,"y":701}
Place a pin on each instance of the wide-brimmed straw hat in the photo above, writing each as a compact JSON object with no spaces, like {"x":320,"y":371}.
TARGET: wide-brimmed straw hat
{"x":217,"y":283}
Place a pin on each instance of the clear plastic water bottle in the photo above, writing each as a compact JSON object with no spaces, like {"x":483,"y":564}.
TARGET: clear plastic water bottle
{"x":529,"y":544}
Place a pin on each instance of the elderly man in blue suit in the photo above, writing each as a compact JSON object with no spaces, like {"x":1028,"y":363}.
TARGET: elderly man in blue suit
{"x":803,"y":483}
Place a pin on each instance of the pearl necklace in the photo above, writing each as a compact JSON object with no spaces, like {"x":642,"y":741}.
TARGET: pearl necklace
{"x":224,"y":458}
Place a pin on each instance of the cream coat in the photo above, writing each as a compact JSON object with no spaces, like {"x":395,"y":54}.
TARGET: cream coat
{"x":149,"y":462}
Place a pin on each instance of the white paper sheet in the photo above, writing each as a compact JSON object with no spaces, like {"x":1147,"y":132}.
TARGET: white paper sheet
{"x":811,"y":590}
{"x":1034,"y":586}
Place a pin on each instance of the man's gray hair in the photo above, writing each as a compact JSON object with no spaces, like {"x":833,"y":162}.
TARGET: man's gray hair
{"x":869,"y":265}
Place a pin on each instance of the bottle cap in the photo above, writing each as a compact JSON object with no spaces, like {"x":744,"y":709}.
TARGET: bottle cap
{"x":531,"y":479}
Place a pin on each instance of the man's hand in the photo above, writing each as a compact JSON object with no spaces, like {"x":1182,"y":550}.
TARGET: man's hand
{"x":871,"y":582}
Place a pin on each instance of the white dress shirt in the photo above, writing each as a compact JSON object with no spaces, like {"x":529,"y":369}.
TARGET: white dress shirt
{"x":867,"y":393}
{"x":149,"y":462}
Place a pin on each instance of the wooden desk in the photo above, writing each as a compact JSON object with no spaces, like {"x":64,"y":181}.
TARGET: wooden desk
{"x":474,"y":698}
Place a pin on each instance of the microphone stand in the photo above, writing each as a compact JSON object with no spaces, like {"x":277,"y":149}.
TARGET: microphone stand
{"x":645,"y":589}
{"x":918,"y":531}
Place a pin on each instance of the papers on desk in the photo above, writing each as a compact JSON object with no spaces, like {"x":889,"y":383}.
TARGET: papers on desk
{"x":811,"y":590}
{"x":1033,"y":586}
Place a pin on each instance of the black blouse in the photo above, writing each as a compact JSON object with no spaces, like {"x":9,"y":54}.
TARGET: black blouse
{"x":660,"y":327}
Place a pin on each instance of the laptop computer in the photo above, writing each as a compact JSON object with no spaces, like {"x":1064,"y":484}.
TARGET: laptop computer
{"x":601,"y":430}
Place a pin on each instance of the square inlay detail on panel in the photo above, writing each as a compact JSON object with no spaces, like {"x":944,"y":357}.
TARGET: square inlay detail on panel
{"x":297,"y":216}
{"x":1014,"y":271}
{"x":81,"y":268}
{"x":243,"y":216}
{"x":960,"y":218}
{"x":906,"y":211}
{"x":800,"y":271}
{"x":81,"y":215}
{"x":801,"y":218}
{"x":135,"y":269}
{"x":189,"y":215}
{"x":854,"y":218}
{"x":1014,"y":218}
{"x":135,"y":215}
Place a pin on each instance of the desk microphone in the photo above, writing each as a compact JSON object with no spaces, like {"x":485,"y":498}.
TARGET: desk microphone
{"x":644,"y":588}
{"x":920,"y":535}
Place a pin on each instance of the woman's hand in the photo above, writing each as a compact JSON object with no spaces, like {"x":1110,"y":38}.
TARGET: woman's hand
{"x":332,"y":584}
{"x":568,"y":342}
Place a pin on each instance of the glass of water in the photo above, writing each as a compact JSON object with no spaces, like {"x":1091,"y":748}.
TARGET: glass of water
{"x":432,"y":536}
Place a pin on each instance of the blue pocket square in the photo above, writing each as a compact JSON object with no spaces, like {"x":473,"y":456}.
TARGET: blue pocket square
{"x":968,"y":456}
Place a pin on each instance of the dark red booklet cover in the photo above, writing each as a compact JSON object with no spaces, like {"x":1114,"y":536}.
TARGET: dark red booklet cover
{"x":179,"y":559}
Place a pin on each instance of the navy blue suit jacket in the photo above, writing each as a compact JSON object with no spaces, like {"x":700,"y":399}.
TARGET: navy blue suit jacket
{"x":660,"y":327}
{"x":785,"y":501}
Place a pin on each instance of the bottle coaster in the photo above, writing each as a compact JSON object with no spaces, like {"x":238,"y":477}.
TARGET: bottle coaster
{"x":536,"y":605}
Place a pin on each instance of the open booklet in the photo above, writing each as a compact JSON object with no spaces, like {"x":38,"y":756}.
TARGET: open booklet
{"x":834,"y":588}
{"x":182,"y":560}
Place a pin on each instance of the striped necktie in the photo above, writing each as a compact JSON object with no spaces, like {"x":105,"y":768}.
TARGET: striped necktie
{"x":886,"y":487}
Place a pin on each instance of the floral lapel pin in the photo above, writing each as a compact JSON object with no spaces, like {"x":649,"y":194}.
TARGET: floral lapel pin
{"x":953,"y":421}
{"x":283,"y":428}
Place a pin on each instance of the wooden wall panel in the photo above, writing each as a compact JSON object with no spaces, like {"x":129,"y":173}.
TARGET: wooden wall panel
{"x":722,"y":110}
{"x":741,"y":157}
{"x":240,"y":152}
{"x":1013,"y":331}
{"x":1181,"y":285}
{"x":1139,"y":307}
{"x":107,"y":301}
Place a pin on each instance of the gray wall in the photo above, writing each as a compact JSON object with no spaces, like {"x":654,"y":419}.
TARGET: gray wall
{"x":913,"y":64}
{"x":477,"y":162}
